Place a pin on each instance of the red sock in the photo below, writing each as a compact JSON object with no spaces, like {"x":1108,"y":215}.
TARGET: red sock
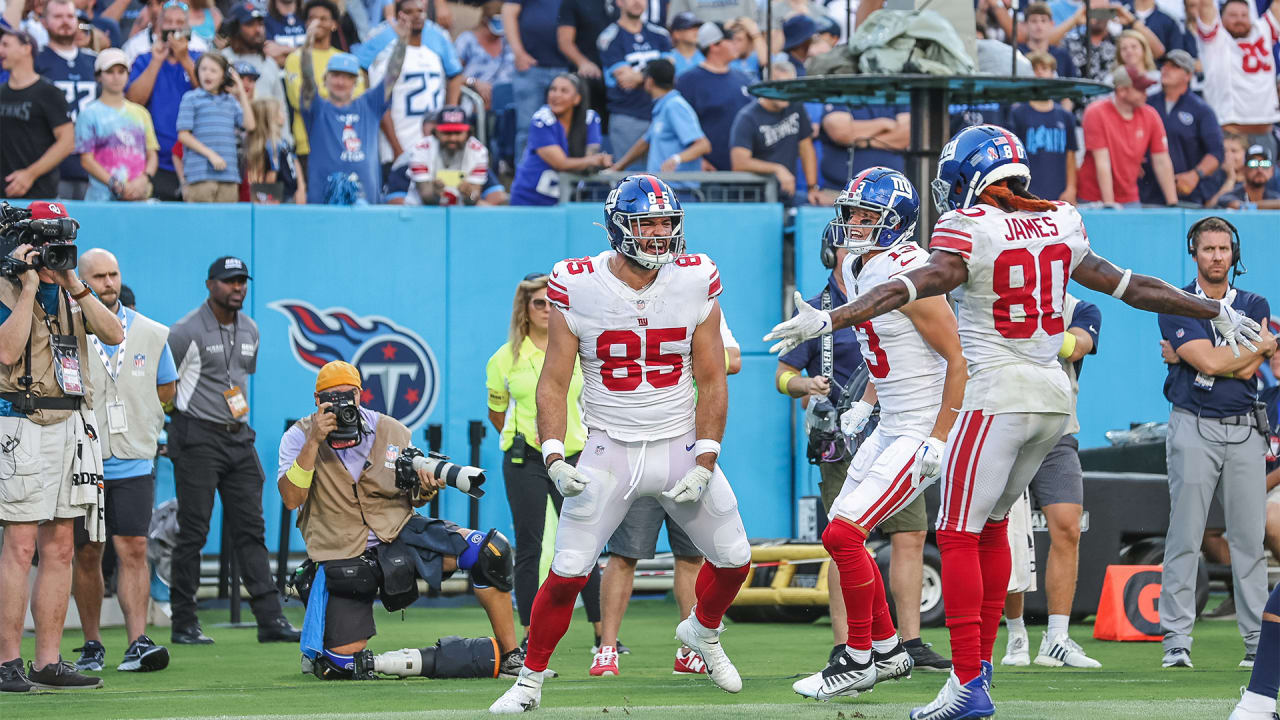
{"x":846,"y":544}
{"x":881,"y":621}
{"x":962,"y":580}
{"x":552,"y":611}
{"x":993,"y":554}
{"x":716,"y":588}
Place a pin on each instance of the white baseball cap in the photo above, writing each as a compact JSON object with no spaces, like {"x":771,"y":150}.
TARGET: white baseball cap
{"x":109,"y":58}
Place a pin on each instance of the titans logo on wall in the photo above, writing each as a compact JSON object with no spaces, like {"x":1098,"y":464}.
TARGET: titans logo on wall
{"x":401,"y":376}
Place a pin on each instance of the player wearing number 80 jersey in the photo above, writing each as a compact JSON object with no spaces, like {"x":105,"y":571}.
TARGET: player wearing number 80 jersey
{"x":644,"y":322}
{"x":1010,"y":254}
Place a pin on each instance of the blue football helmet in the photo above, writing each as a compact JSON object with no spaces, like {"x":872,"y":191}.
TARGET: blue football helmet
{"x":635,"y":198}
{"x":975,"y":158}
{"x":883,"y":191}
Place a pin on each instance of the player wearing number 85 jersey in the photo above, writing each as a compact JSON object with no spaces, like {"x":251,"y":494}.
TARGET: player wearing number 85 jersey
{"x":1009,"y":255}
{"x":644,"y":320}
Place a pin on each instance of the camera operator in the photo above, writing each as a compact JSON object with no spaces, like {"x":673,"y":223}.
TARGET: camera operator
{"x":50,"y":468}
{"x":351,"y":471}
{"x":211,"y":445}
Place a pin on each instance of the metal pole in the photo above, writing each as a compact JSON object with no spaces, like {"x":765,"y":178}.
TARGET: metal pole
{"x":475,"y":433}
{"x":929,"y":130}
{"x":1013,"y":41}
{"x":767,"y":71}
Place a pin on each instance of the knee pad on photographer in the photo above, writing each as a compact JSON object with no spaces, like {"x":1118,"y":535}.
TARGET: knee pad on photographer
{"x":330,"y":665}
{"x":492,"y":565}
{"x":467,"y":558}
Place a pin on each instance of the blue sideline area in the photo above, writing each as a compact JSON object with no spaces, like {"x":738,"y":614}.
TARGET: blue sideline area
{"x":426,"y":297}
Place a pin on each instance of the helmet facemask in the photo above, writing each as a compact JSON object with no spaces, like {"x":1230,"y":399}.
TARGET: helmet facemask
{"x":886,"y":218}
{"x":633,"y":241}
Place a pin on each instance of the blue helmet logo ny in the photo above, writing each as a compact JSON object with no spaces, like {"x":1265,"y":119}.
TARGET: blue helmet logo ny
{"x":401,"y":376}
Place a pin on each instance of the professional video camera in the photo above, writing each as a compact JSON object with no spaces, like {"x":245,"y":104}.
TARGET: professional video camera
{"x":463,"y":477}
{"x":46,"y":227}
{"x":343,"y":405}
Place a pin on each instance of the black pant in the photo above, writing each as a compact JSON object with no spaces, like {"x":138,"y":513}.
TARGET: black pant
{"x":528,"y":487}
{"x":208,"y":458}
{"x":165,"y":186}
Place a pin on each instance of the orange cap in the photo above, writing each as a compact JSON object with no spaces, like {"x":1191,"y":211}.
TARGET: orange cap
{"x":337,"y":373}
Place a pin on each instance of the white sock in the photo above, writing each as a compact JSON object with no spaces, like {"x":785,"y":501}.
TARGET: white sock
{"x":884,"y":646}
{"x":534,"y":676}
{"x":859,"y":656}
{"x":1058,"y":625}
{"x":1016,"y":625}
{"x":1253,"y":702}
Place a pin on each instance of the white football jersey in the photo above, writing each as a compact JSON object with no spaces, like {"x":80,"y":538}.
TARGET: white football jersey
{"x":425,"y":163}
{"x":419,"y":92}
{"x":906,"y":371}
{"x":635,"y":345}
{"x":1011,"y":307}
{"x":1240,"y":73}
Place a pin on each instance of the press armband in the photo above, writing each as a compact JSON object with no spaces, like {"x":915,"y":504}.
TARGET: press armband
{"x":785,"y":378}
{"x":911,"y":287}
{"x":1124,"y":285}
{"x":1068,"y":345}
{"x":552,"y":447}
{"x":299,"y":477}
{"x":706,"y":446}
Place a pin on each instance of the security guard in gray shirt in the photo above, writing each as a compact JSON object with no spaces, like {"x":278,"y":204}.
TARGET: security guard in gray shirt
{"x":211,"y":445}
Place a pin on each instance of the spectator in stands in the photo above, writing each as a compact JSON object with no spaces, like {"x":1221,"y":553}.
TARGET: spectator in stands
{"x":1168,"y":31}
{"x":716,"y":92}
{"x":448,"y":166}
{"x":157,"y":81}
{"x":345,"y":127}
{"x":674,"y":141}
{"x":271,"y":168}
{"x":564,"y":137}
{"x":485,"y":55}
{"x":1195,"y":140}
{"x":798,"y":32}
{"x":324,"y":15}
{"x":204,"y":18}
{"x":422,"y":88}
{"x":626,"y":47}
{"x":115,"y":141}
{"x":70,"y":69}
{"x":1048,"y":132}
{"x":36,"y":133}
{"x":97,"y":28}
{"x":1231,"y":172}
{"x":1239,"y":69}
{"x":530,"y":27}
{"x":876,"y":134}
{"x":1088,"y":38}
{"x":284,"y":29}
{"x":1119,"y":131}
{"x":579,"y":25}
{"x":1254,"y":192}
{"x":144,"y":39}
{"x":1132,"y":51}
{"x":750,"y":52}
{"x":247,"y":43}
{"x":684,"y":54}
{"x":769,"y":137}
{"x":721,"y":11}
{"x":208,"y":118}
{"x":249,"y":78}
{"x":826,"y":37}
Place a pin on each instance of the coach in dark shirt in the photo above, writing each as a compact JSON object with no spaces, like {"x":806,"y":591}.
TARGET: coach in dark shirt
{"x":771,"y":137}
{"x":1195,"y":138}
{"x":36,"y":133}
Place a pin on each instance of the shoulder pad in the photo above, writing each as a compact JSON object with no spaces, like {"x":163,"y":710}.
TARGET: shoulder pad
{"x":564,"y":276}
{"x":702,"y":267}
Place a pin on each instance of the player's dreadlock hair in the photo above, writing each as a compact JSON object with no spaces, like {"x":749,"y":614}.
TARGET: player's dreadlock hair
{"x":1011,"y":195}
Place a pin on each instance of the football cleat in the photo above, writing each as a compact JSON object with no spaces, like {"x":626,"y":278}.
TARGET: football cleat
{"x":893,"y":665}
{"x":988,"y":675}
{"x":969,"y":701}
{"x":808,"y":686}
{"x":924,"y":658}
{"x":1266,"y":709}
{"x":688,"y":662}
{"x":706,"y":642}
{"x":1177,"y":657}
{"x":1062,"y":650}
{"x":845,"y":677}
{"x":605,"y":663}
{"x":1017,"y":652}
{"x":521,"y":697}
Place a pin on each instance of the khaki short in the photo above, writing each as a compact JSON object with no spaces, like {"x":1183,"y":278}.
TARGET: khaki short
{"x":832,"y":482}
{"x":35,"y":474}
{"x":212,"y":191}
{"x":912,"y":518}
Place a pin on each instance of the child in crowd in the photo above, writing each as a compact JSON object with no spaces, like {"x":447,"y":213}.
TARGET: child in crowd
{"x":270,"y":164}
{"x":1049,"y":133}
{"x":207,"y":120}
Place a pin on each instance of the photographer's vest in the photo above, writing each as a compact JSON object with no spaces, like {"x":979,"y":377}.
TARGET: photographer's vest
{"x":132,"y":382}
{"x":44,"y":381}
{"x":338,"y":514}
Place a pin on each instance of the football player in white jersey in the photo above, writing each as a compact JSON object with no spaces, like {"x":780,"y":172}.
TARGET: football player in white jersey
{"x":918,"y":375}
{"x":644,"y":320}
{"x":1007,"y":255}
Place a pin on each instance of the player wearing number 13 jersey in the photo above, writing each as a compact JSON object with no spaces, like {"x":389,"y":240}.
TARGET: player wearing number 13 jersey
{"x":644,"y":320}
{"x":1009,"y":255}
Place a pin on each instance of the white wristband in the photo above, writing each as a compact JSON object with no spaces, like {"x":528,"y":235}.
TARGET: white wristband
{"x":911,"y":287}
{"x":552,"y":447}
{"x":678,"y":160}
{"x":706,"y":446}
{"x":1124,"y":285}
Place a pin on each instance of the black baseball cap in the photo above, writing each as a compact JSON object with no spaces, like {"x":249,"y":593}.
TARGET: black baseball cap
{"x":228,"y":267}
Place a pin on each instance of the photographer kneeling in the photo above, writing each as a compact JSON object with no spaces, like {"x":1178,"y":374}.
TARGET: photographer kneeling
{"x":366,"y":541}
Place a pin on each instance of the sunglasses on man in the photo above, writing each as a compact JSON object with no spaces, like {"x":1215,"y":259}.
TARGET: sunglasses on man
{"x":1256,"y":163}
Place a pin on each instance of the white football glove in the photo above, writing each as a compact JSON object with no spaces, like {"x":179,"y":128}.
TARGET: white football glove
{"x":928,"y":459}
{"x":568,"y":480}
{"x":855,"y":418}
{"x":1235,"y":327}
{"x":690,"y":487}
{"x":809,"y":322}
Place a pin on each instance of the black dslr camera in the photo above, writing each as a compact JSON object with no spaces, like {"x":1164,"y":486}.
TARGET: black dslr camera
{"x":53,"y":237}
{"x":343,"y":405}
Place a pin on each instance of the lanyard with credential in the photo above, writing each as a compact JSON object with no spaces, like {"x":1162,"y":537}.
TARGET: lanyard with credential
{"x":228,"y":350}
{"x":114,"y":372}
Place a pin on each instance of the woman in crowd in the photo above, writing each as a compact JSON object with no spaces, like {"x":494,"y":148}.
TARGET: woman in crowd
{"x":285,"y":29}
{"x":564,"y":136}
{"x":512,"y":380}
{"x":207,"y":120}
{"x":269,"y":158}
{"x":204,"y":19}
{"x":1133,"y":51}
{"x":484,"y":53}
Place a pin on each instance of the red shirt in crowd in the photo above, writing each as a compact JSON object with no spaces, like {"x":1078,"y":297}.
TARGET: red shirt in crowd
{"x":1127,"y":140}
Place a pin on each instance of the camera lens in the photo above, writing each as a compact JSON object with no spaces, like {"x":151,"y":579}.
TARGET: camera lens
{"x":348,"y":415}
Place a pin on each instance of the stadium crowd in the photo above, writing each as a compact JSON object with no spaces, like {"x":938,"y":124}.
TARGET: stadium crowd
{"x":495,"y":100}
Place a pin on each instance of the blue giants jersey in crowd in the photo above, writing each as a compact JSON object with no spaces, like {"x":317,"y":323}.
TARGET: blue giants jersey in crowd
{"x":618,"y":48}
{"x":75,"y":79}
{"x":1048,"y":136}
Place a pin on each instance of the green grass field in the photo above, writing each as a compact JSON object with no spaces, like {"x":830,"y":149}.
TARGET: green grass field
{"x":237,"y":677}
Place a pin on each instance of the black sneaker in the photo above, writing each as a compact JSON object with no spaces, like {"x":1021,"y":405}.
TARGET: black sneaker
{"x":93,"y":656}
{"x":511,"y":663}
{"x":61,"y":676}
{"x":278,"y":629}
{"x":190,"y":635}
{"x":144,"y":655}
{"x":924,"y":658}
{"x":13,"y":677}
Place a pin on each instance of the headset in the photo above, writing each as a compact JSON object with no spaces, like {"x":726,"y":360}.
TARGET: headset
{"x":828,"y":253}
{"x":1237,"y":266}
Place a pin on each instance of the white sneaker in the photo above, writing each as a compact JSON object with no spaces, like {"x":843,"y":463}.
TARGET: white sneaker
{"x":1243,"y":712}
{"x":523,"y":696}
{"x":1062,"y":650}
{"x":706,"y":642}
{"x":1018,"y":651}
